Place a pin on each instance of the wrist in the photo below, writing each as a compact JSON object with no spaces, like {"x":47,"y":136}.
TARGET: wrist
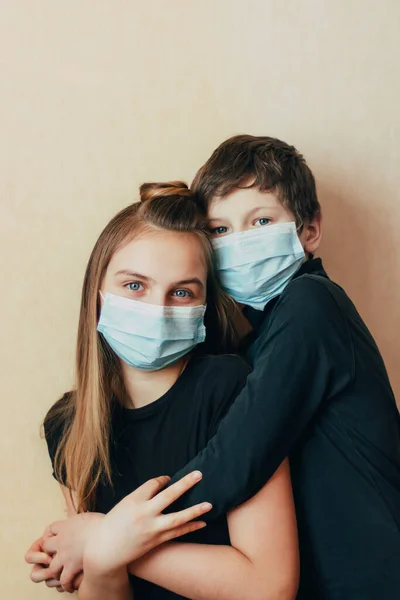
{"x":98,"y":559}
{"x":95,"y":587}
{"x":97,"y":568}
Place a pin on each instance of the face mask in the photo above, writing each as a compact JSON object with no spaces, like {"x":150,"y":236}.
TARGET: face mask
{"x":148,"y":336}
{"x":256,"y":265}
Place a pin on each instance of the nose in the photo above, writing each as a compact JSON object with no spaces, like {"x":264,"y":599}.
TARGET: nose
{"x":238,"y":226}
{"x":157,"y":296}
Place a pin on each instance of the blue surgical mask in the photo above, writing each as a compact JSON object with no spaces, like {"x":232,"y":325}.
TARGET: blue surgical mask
{"x":148,"y":336}
{"x":256,"y":265}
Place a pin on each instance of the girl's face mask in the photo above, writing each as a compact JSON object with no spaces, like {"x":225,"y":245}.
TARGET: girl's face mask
{"x":148,"y":336}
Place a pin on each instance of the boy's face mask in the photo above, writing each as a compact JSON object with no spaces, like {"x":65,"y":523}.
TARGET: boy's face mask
{"x":148,"y":336}
{"x":256,"y":265}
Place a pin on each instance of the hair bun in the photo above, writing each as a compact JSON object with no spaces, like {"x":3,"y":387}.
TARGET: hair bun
{"x":148,"y":191}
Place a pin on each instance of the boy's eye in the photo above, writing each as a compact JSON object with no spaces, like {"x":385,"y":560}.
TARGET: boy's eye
{"x":262,"y":221}
{"x":183,"y":294}
{"x":221,"y":230}
{"x":134,"y":286}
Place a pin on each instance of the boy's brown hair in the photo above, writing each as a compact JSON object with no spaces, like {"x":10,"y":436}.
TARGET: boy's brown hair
{"x":259,"y":161}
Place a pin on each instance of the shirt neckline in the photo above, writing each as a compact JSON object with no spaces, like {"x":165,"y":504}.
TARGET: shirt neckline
{"x":135,"y":414}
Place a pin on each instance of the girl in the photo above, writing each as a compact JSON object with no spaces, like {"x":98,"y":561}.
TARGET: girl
{"x":146,"y":402}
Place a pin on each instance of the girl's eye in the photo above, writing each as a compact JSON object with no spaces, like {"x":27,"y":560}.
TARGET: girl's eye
{"x":219,"y":230}
{"x":262,"y":222}
{"x":134,"y":286}
{"x":183,"y":294}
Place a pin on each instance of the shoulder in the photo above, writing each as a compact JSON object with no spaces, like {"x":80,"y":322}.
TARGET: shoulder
{"x":311,"y":318}
{"x":56,"y":420}
{"x":314,"y":299}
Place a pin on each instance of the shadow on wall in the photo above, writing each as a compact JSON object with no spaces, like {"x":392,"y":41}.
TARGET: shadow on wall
{"x":360,"y":253}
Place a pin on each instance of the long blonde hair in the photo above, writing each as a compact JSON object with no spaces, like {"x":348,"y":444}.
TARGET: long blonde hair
{"x":82,"y":457}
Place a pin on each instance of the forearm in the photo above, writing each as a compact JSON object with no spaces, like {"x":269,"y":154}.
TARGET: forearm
{"x":205,"y":572}
{"x":107,"y":586}
{"x":251,"y":442}
{"x":289,"y":381}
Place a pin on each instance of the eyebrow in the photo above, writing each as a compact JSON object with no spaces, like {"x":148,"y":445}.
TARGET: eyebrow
{"x":218,"y":220}
{"x":132,"y":274}
{"x":128,"y":273}
{"x":195,"y":280}
{"x":261,"y":208}
{"x":252,"y":212}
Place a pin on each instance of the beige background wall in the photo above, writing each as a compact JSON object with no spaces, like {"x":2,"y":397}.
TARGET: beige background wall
{"x":97,"y":96}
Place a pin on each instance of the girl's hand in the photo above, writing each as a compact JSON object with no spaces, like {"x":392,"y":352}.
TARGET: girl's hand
{"x":41,"y":561}
{"x":57,"y":557}
{"x":137,"y":524}
{"x":65,"y":542}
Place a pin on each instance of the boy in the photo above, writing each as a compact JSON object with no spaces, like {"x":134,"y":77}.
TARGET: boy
{"x":319,"y":392}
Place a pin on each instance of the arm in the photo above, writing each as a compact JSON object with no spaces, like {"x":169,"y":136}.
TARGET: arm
{"x":305,"y":357}
{"x":110,"y":586}
{"x":132,"y":528}
{"x":262,"y":562}
{"x":97,"y":585}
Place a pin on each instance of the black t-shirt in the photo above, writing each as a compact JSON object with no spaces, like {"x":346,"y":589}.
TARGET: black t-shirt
{"x":319,"y":393}
{"x":161,"y":438}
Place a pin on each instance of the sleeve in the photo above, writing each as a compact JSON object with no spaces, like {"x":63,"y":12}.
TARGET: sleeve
{"x":54,"y":425}
{"x":305,"y":358}
{"x":230,"y":378}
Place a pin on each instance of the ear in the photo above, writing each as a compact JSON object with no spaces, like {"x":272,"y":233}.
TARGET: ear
{"x":311,"y":235}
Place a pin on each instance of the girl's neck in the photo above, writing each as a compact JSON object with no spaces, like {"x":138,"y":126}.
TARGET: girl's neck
{"x":145,"y":387}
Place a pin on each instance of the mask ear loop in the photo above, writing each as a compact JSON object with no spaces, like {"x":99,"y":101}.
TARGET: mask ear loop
{"x":299,"y":229}
{"x":100,"y":306}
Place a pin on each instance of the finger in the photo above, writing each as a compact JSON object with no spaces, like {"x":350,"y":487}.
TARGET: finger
{"x":53,"y":583}
{"x":60,"y":589}
{"x":56,"y":568}
{"x":171,"y":534}
{"x":47,"y":532}
{"x":150,"y":488}
{"x":168,"y":496}
{"x":55,"y":527}
{"x":78,"y":580}
{"x":39,"y":574}
{"x":37,"y":558}
{"x":67,"y":579}
{"x":174,"y":520}
{"x":52,"y":529}
{"x":50,"y":544}
{"x":35,"y":547}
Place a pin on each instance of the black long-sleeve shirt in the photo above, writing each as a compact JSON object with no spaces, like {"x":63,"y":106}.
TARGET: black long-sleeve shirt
{"x":319,"y":393}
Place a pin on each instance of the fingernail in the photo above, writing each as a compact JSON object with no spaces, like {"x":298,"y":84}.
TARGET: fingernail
{"x":197,"y":475}
{"x":206,"y":506}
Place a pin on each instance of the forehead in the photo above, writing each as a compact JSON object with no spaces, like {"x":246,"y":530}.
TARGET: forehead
{"x":165,"y":256}
{"x":242,"y":202}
